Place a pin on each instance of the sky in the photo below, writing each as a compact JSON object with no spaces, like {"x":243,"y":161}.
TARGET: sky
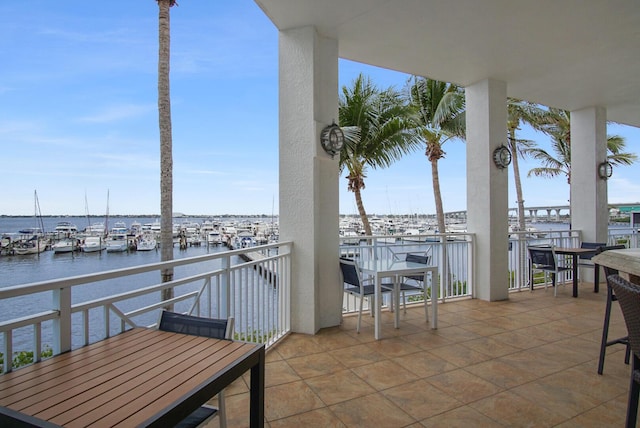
{"x":79,"y":120}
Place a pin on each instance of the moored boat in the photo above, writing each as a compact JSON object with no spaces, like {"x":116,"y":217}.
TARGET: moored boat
{"x":66,"y":245}
{"x":93,"y":244}
{"x":146,"y":242}
{"x":33,"y":245}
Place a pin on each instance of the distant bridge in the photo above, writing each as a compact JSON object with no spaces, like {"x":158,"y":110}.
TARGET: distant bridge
{"x":553,"y":212}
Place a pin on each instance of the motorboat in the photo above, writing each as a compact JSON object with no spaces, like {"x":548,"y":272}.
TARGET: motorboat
{"x":65,"y":228}
{"x":93,"y":244}
{"x":117,"y":242}
{"x":66,"y":245}
{"x":146,"y":242}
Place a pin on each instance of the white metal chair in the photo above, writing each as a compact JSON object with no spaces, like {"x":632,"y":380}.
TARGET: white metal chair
{"x":207,"y":327}
{"x":356,"y":286}
{"x":413,"y":283}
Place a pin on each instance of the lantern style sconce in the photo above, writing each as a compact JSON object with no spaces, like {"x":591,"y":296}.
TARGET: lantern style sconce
{"x":332,"y":139}
{"x":605,"y":170}
{"x":502,"y":157}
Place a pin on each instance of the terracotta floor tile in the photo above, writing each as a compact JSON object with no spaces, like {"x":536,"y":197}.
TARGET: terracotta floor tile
{"x":315,"y":418}
{"x":279,"y":372}
{"x":371,"y":411}
{"x":490,"y":346}
{"x":463,"y":385}
{"x":461,"y":417}
{"x":315,"y":365}
{"x":424,"y":364}
{"x":460,"y":355}
{"x":355,"y":356}
{"x":384,"y":374}
{"x":290,"y":399}
{"x":392,"y":347}
{"x":340,"y":386}
{"x":420,"y":399}
{"x":515,"y":411}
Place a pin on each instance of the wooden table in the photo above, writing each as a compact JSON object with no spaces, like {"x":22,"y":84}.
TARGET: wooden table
{"x":143,"y":377}
{"x":574,"y":253}
{"x":626,"y":261}
{"x":389,"y":268}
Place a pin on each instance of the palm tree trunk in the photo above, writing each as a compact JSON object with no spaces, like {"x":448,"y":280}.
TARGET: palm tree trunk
{"x":516,"y":176}
{"x":166,"y":157}
{"x":437,"y":196}
{"x":362,"y":212}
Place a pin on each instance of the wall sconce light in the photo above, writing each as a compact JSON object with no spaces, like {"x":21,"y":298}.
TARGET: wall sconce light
{"x":332,"y":139}
{"x":605,"y":170}
{"x":502,"y":157}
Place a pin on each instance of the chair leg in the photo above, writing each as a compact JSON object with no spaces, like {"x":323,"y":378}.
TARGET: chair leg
{"x":605,"y":331}
{"x":426,"y":307}
{"x":359,"y":314}
{"x":634,"y":393}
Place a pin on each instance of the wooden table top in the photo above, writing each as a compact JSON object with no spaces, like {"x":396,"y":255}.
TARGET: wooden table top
{"x":137,"y":378}
{"x":626,"y":260}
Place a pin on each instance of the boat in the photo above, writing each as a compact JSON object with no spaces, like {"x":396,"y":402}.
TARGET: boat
{"x":146,"y":242}
{"x":118,"y":239}
{"x":65,"y":228}
{"x":33,"y":245}
{"x":66,"y":245}
{"x":117,"y":242}
{"x":93,"y":244}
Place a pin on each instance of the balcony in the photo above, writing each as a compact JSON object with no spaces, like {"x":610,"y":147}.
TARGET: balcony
{"x":529,"y":361}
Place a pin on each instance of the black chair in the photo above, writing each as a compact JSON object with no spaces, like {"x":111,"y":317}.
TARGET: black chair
{"x":207,"y":327}
{"x":584,"y":260}
{"x":611,"y":297}
{"x":356,"y":286}
{"x":629,"y":298}
{"x":413,"y":283}
{"x":545,"y":259}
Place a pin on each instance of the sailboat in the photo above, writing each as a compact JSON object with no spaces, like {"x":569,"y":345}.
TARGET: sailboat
{"x":34,"y":242}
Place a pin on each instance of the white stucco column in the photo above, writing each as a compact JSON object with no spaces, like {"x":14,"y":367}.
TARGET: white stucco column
{"x":487,"y":187}
{"x":589,"y":211}
{"x":308,"y":206}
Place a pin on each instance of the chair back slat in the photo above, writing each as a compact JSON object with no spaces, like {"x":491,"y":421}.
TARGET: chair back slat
{"x":628,"y":295}
{"x":417,"y":258}
{"x":349,"y":272}
{"x":195,"y":326}
{"x":591,"y":246}
{"x":542,"y":257}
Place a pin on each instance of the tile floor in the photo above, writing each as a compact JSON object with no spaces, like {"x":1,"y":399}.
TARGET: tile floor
{"x":530,"y":361}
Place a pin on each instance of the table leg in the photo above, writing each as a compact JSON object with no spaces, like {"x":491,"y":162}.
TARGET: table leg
{"x":575,"y":275}
{"x":434,"y":301}
{"x":376,"y":310}
{"x":256,"y":396}
{"x":396,"y":296}
{"x":596,"y":277}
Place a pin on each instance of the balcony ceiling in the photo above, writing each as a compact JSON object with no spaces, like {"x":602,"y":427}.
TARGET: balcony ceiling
{"x":570,"y":54}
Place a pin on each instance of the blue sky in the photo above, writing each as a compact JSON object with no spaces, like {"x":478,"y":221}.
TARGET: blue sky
{"x":78,"y":116}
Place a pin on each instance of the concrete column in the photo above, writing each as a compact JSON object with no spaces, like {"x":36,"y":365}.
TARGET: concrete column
{"x":589,"y":211}
{"x":308,"y":204}
{"x":487,"y":187}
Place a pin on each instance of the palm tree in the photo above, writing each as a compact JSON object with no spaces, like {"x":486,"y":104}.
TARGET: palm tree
{"x":378,"y":131}
{"x":166,"y":157}
{"x":440,"y":116}
{"x":519,"y":112}
{"x":557,"y":124}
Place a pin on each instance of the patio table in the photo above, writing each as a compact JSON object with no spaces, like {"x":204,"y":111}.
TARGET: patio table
{"x":574,"y":252}
{"x":143,"y":377}
{"x":389,"y":268}
{"x":626,"y":261}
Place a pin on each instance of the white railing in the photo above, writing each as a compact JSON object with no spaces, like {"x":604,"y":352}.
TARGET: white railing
{"x":252,"y":285}
{"x":452,"y":253}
